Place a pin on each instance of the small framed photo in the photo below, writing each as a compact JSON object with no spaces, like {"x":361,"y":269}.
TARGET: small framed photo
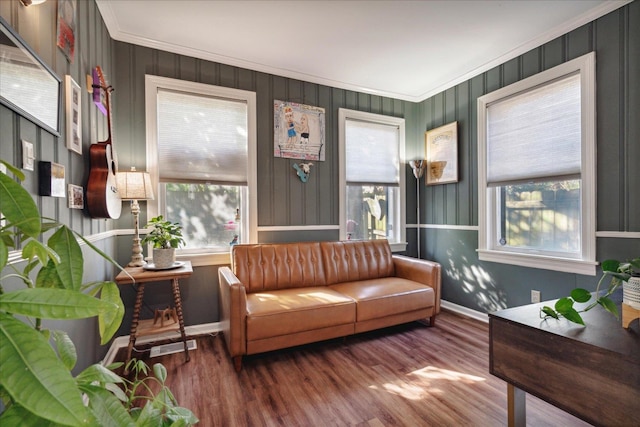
{"x":74,"y":119}
{"x":51,"y":179}
{"x":75,"y":196}
{"x":442,"y":154}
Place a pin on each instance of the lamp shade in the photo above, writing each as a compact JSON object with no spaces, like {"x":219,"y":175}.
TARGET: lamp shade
{"x":134,"y":185}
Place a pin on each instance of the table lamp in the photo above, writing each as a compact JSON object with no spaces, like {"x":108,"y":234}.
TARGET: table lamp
{"x":135,"y":185}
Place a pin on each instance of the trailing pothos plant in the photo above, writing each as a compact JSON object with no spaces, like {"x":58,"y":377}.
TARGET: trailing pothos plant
{"x":37,"y":387}
{"x":619,"y":272}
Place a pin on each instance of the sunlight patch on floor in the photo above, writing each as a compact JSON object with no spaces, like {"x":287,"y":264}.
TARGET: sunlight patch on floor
{"x":425,"y":382}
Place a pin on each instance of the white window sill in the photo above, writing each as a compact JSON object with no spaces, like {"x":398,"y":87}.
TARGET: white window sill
{"x":566,"y":265}
{"x":205,"y":259}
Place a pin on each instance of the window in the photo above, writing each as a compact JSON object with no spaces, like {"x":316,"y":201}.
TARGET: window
{"x":371,"y":183}
{"x":536,"y":153}
{"x":201,"y":145}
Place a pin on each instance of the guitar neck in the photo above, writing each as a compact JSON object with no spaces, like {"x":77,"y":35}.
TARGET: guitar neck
{"x":107,"y":91}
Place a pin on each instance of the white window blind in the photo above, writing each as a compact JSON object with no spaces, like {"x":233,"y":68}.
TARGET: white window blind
{"x":535,"y":135}
{"x":201,"y":139}
{"x":372,"y":153}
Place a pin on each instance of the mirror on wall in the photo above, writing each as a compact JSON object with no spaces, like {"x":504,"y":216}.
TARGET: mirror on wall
{"x":28,"y":86}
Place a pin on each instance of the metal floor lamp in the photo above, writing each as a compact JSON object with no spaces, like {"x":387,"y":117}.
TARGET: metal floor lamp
{"x":418,"y":167}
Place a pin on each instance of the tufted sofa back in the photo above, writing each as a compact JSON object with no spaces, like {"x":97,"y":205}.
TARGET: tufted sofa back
{"x":352,"y":260}
{"x":266,"y":267}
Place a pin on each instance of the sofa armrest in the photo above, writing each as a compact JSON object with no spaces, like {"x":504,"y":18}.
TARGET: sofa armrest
{"x":421,"y":271}
{"x":233,"y":311}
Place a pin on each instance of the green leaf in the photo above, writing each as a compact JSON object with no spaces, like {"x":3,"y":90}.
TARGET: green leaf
{"x":4,"y":254}
{"x":160,"y":372}
{"x":610,"y":265}
{"x":609,"y":305}
{"x":573,"y":316}
{"x":99,"y":373}
{"x":35,"y":378}
{"x":48,"y":277}
{"x":549,"y":311}
{"x":181,"y":416}
{"x":149,"y":417}
{"x":34,"y":249}
{"x":71,"y":260}
{"x":66,"y":349}
{"x":16,"y":415}
{"x":580,"y":295}
{"x":107,"y":408}
{"x":18,"y":207}
{"x":563,"y":305}
{"x":47,"y":303}
{"x":109,"y":321}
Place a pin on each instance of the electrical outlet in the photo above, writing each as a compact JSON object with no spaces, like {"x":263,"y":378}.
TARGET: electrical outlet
{"x":535,"y":296}
{"x":28,"y":156}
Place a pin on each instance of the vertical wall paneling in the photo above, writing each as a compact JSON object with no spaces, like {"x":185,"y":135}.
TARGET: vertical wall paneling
{"x":37,"y":25}
{"x":471,"y":283}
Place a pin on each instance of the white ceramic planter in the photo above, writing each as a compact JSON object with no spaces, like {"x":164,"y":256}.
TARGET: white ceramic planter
{"x":164,"y":258}
{"x":631,"y":292}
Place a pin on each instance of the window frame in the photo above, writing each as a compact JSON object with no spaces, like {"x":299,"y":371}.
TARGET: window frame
{"x":156,"y":207}
{"x":347,"y":114}
{"x":585,"y":263}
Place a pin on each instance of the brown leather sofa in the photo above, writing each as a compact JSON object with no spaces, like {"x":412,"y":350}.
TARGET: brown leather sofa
{"x":282,"y":295}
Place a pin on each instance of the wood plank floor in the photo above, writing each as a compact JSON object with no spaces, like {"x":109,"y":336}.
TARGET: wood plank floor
{"x":409,"y":375}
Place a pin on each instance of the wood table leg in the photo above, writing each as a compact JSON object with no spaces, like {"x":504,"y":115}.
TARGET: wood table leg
{"x":134,"y":324}
{"x":517,"y":406}
{"x":178,"y":302}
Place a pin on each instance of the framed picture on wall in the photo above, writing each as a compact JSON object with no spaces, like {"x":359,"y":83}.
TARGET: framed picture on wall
{"x":442,"y":154}
{"x":75,"y":194}
{"x":298,"y":131}
{"x":73,"y":113}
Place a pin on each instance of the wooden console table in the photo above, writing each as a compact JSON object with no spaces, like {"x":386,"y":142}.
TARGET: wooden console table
{"x":592,"y":372}
{"x":140,"y":276}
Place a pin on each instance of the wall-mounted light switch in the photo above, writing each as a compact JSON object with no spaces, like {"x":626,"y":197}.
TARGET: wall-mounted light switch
{"x":28,"y":155}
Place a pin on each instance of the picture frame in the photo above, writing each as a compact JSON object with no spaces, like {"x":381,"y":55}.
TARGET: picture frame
{"x":73,"y":114}
{"x":442,"y":154}
{"x":298,"y":131}
{"x":75,"y":194}
{"x":20,"y":67}
{"x":51,"y":179}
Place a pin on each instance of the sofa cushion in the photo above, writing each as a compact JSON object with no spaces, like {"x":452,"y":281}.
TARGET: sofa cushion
{"x":268,"y":267}
{"x":386,"y":296}
{"x":289,"y":311}
{"x":351,"y":260}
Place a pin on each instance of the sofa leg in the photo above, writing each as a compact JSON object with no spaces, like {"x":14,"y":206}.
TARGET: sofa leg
{"x":237,"y":363}
{"x":432,"y":320}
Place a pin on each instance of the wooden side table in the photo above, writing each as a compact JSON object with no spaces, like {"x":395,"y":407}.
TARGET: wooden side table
{"x":140,"y":276}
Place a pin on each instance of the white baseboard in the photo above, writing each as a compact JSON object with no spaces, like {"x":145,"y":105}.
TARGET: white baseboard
{"x":464,"y":311}
{"x":211,"y":328}
{"x":190,"y":331}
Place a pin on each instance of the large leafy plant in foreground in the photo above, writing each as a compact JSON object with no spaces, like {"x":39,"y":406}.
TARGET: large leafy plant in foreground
{"x":36,"y":384}
{"x":617,"y":271}
{"x":35,"y":380}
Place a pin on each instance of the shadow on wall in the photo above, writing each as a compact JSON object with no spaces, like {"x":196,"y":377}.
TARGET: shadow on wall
{"x":464,"y":280}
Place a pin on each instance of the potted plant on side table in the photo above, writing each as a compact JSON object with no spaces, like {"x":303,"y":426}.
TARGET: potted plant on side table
{"x":166,"y":237}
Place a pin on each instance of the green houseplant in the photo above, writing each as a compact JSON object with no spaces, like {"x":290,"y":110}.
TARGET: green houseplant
{"x":165,"y":236}
{"x":617,"y":271}
{"x":37,"y":387}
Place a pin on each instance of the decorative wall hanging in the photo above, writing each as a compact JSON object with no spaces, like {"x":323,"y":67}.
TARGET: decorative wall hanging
{"x":303,"y":170}
{"x":75,"y":194}
{"x":28,"y":86}
{"x":298,"y":131}
{"x":51,"y":179}
{"x":67,"y":27}
{"x":442,"y":154}
{"x":74,"y":119}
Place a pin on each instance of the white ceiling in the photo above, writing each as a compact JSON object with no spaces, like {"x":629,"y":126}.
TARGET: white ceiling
{"x":408,"y":50}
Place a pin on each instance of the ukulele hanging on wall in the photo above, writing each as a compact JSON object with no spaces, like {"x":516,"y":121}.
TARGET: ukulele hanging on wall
{"x":103,"y":200}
